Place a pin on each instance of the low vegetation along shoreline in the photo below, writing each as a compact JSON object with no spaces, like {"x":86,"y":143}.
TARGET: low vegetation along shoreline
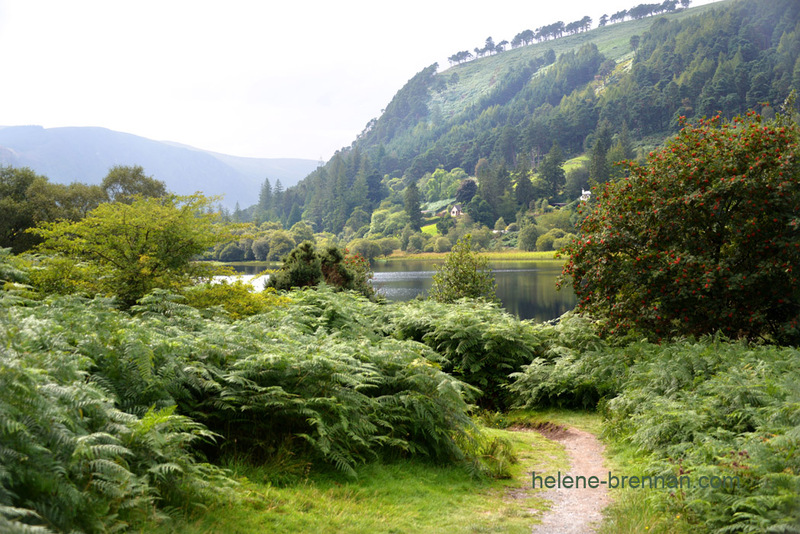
{"x":492,"y":256}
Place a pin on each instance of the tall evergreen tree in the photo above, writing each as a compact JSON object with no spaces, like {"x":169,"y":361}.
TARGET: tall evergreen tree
{"x":265,"y":197}
{"x":524,"y":191}
{"x":552,"y":171}
{"x":493,"y":184}
{"x":598,"y":163}
{"x":411,"y":200}
{"x":277,"y":199}
{"x":294,"y":216}
{"x":466,"y":190}
{"x":375,"y":189}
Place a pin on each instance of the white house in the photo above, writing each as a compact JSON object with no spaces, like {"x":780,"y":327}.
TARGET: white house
{"x":585,"y":195}
{"x":455,"y":211}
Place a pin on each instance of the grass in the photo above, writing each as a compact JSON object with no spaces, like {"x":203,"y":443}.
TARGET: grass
{"x":635,"y":511}
{"x":503,"y":255}
{"x":574,"y":163}
{"x":430,"y":229}
{"x":405,"y":496}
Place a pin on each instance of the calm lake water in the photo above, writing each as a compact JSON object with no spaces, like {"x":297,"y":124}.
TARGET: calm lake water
{"x":526,"y":288}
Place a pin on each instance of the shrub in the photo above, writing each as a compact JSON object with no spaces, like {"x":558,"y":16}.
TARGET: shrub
{"x":563,"y":241}
{"x":301,"y":268}
{"x":155,"y":241}
{"x":481,"y":343}
{"x":464,"y":274}
{"x":281,"y":243}
{"x":388,"y":245}
{"x":547,"y":241}
{"x":368,"y":248}
{"x":442,"y":244}
{"x":260,"y":248}
{"x":704,"y":237}
{"x":416,"y":243}
{"x":528,"y":236}
{"x":306,"y":267}
{"x":71,"y":459}
{"x":237,"y":298}
{"x":231,"y":252}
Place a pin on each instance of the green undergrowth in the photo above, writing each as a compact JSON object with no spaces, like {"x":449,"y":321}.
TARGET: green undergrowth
{"x":403,"y":496}
{"x":707,"y":407}
{"x":330,"y":409}
{"x":109,"y":418}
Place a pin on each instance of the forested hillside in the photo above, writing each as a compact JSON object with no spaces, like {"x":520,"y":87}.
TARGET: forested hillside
{"x":503,"y":118}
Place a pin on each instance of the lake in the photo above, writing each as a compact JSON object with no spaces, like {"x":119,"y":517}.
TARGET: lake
{"x":527,"y":289}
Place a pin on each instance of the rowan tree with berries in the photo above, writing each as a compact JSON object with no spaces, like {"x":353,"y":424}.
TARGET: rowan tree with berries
{"x":702,"y":238}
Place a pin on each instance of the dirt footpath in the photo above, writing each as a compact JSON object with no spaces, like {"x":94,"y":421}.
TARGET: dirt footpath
{"x":575,"y":510}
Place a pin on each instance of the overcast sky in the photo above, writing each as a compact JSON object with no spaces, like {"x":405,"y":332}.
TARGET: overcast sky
{"x":250,"y":78}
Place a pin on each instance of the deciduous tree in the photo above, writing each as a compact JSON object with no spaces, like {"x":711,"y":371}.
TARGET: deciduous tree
{"x":704,"y":237}
{"x":124,"y":182}
{"x":464,"y":274}
{"x":133,"y":248}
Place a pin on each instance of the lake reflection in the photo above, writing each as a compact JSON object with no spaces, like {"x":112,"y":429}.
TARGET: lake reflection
{"x":526,"y":288}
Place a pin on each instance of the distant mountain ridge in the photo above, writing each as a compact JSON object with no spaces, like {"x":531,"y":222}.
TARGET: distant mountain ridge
{"x":85,"y":154}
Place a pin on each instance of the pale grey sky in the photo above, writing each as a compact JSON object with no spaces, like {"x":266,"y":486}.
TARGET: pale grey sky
{"x":243,"y":77}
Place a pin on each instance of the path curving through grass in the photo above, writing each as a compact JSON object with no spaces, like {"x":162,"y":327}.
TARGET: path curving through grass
{"x":576,"y":510}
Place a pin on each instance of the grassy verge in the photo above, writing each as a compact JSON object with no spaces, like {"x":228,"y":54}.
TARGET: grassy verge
{"x":636,"y":511}
{"x":632,"y":511}
{"x":408,"y":496}
{"x":503,"y":255}
{"x":582,"y":420}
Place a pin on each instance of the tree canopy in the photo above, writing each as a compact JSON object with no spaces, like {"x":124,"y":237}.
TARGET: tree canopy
{"x":464,"y":274}
{"x":129,"y":249}
{"x":123,"y":183}
{"x":703,"y":237}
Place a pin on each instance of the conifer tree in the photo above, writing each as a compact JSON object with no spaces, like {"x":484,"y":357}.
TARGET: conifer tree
{"x":265,"y":197}
{"x":552,"y":172}
{"x":411,"y":200}
{"x":524,"y":191}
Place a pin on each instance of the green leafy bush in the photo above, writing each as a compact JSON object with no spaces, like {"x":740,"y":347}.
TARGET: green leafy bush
{"x":704,"y":237}
{"x":155,"y":241}
{"x":305,"y":267}
{"x":70,"y":460}
{"x":238,"y":299}
{"x":464,"y":274}
{"x":547,"y":240}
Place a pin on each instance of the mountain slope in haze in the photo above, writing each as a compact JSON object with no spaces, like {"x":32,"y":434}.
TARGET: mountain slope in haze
{"x":86,"y":154}
{"x":628,"y":84}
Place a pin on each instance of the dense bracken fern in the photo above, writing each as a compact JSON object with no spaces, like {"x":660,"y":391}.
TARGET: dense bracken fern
{"x":700,"y":408}
{"x":106,"y":416}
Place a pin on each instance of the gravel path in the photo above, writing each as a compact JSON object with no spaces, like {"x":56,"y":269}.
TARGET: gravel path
{"x":576,"y":510}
